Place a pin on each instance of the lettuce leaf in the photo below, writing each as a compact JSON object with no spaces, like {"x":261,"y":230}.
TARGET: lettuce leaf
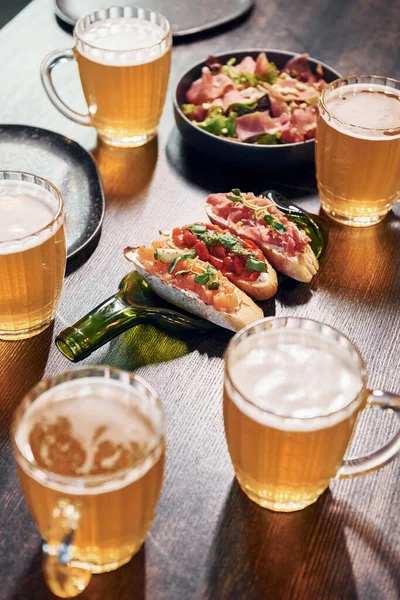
{"x":219,"y":124}
{"x":268,"y":139}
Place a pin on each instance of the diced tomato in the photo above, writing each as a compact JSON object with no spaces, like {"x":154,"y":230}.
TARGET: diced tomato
{"x":226,"y":302}
{"x":238,"y":265}
{"x":219,"y":251}
{"x":253,"y":275}
{"x":189,"y":238}
{"x":228,"y":265}
{"x":177,"y":237}
{"x":202,"y":251}
{"x":216,"y":262}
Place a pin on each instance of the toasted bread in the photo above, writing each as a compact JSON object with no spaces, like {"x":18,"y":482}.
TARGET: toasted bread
{"x":302,"y":266}
{"x":246,"y":313}
{"x":266,"y":284}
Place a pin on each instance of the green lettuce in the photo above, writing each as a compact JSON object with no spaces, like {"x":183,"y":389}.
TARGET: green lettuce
{"x":268,"y":139}
{"x":219,"y":124}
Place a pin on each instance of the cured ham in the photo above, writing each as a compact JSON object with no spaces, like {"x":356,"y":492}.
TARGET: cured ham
{"x":252,"y":102}
{"x":256,"y":218}
{"x":208,"y":87}
{"x":255,"y":124}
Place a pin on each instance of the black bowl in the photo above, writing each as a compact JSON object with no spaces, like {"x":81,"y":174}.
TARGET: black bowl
{"x":250,"y":156}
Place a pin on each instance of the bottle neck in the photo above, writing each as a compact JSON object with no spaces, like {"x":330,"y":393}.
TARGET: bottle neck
{"x":102,"y":324}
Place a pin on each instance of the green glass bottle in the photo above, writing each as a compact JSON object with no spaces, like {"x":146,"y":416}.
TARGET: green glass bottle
{"x":133,"y":304}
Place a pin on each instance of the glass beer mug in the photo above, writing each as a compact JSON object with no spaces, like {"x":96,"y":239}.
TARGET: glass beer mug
{"x":124,"y":57}
{"x":90,"y":452}
{"x":293,"y":390}
{"x":32,"y":253}
{"x":357,"y":149}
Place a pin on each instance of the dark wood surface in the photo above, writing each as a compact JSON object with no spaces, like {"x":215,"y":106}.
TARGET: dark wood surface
{"x":208,"y":540}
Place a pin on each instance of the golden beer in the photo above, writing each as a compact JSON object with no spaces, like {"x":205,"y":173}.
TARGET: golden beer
{"x":32,"y":254}
{"x":291,"y":398}
{"x":358,"y":149}
{"x":125,"y":100}
{"x":92,"y":440}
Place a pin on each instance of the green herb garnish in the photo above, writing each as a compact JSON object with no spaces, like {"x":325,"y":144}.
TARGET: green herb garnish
{"x":208,"y":277}
{"x":198,"y":228}
{"x":268,"y":218}
{"x":254,"y":264}
{"x":231,"y":243}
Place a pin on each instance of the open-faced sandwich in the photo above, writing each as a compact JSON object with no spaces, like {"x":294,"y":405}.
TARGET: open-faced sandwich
{"x":258,"y":219}
{"x":182,"y":278}
{"x":239,"y":260}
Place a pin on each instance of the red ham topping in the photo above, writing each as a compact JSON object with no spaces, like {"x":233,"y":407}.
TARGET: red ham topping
{"x":247,"y":65}
{"x":262,"y":64}
{"x":240,"y":220}
{"x":208,"y":87}
{"x":255,"y":124}
{"x":299,"y":67}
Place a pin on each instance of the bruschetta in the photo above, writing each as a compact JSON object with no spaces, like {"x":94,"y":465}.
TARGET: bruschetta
{"x":256,"y":218}
{"x":240,"y":260}
{"x":181,"y":278}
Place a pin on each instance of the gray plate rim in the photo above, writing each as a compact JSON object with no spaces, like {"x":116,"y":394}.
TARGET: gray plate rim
{"x":13,"y":128}
{"x":240,"y":12}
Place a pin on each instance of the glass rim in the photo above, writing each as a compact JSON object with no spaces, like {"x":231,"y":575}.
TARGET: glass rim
{"x":88,"y":480}
{"x":342,"y":82}
{"x":20,"y":176}
{"x":148,"y":11}
{"x":284,"y":320}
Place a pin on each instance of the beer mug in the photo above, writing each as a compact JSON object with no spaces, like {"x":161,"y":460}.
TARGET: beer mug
{"x":124,"y":56}
{"x":293,"y":390}
{"x":32,"y":253}
{"x":357,"y":149}
{"x":89,"y":446}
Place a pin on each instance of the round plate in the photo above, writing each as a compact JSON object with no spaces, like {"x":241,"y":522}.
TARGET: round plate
{"x":185,"y":18}
{"x":250,"y":156}
{"x":66,"y":164}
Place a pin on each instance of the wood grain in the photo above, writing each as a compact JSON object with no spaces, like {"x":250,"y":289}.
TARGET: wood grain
{"x":208,"y":541}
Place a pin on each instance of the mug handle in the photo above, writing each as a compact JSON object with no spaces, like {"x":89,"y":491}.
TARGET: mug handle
{"x":65,"y":577}
{"x":371,"y":462}
{"x":48,"y":64}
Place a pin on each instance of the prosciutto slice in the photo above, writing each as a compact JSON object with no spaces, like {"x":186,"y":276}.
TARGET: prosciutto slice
{"x":208,"y":87}
{"x":277,"y":103}
{"x":299,"y":67}
{"x":255,"y":124}
{"x":248,"y":95}
{"x":262,"y":64}
{"x":247,"y":65}
{"x":303,"y":124}
{"x":240,"y":219}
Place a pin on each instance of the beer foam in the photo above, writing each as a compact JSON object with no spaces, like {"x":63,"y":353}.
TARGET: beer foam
{"x":25,"y":209}
{"x":294,"y":374}
{"x":126,"y":41}
{"x":366,"y":111}
{"x":84,"y":427}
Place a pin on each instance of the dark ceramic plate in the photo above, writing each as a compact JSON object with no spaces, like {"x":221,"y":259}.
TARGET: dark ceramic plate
{"x":186,"y":18}
{"x":66,"y":164}
{"x":249,"y":156}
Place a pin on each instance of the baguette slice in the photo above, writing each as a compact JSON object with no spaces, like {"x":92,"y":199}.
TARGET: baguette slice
{"x":266,"y":284}
{"x":301,"y":266}
{"x":164,"y":284}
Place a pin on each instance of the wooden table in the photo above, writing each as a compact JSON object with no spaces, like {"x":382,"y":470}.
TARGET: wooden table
{"x":208,"y":540}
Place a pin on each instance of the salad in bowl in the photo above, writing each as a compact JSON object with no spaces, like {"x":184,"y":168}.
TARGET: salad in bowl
{"x":252,"y":101}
